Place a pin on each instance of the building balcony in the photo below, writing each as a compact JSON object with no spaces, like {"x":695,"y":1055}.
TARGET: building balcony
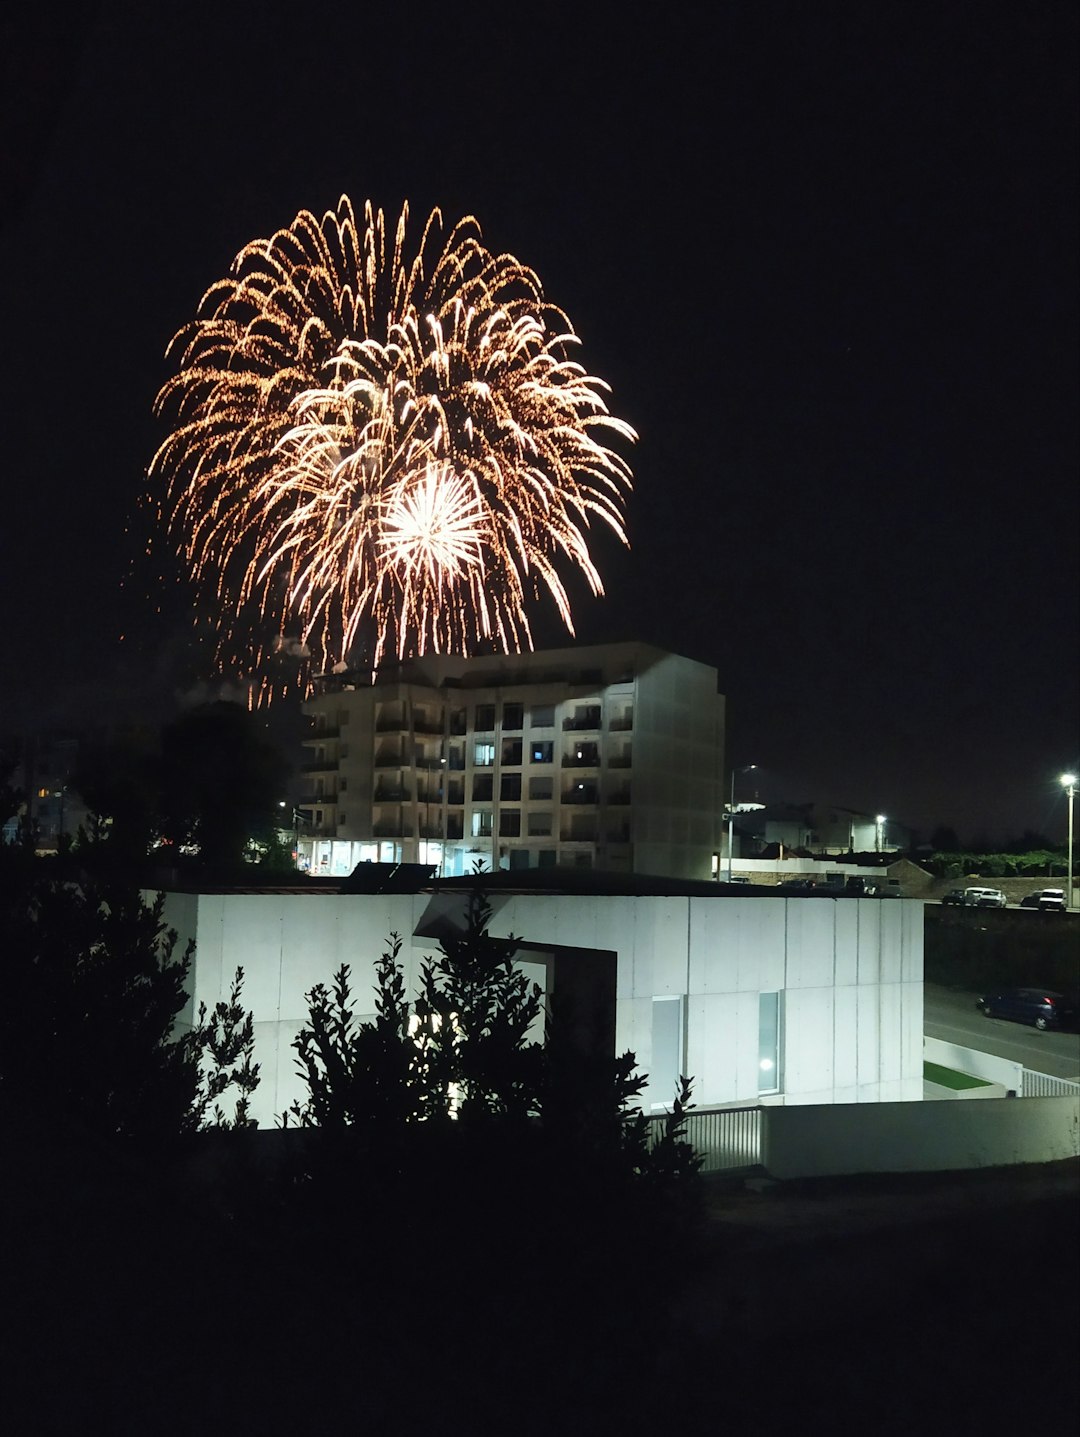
{"x":582,"y":725}
{"x":587,"y":797}
{"x":319,"y":765}
{"x":391,"y":793}
{"x":617,"y":761}
{"x":584,"y":760}
{"x":388,"y":760}
{"x":391,"y":723}
{"x":317,"y":734}
{"x":620,"y":725}
{"x":427,"y":726}
{"x":387,"y":828}
{"x":618,"y":796}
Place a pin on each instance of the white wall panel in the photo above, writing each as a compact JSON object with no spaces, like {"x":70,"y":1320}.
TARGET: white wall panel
{"x":845,"y":1039}
{"x":846,"y":943}
{"x":911,"y":1035}
{"x":251,"y":938}
{"x":869,"y":1048}
{"x":810,"y":938}
{"x":712,"y":1048}
{"x":870,"y":937}
{"x":891,"y":932}
{"x":912,"y":922}
{"x":736,"y":945}
{"x":891,"y":1030}
{"x":808,"y":1056}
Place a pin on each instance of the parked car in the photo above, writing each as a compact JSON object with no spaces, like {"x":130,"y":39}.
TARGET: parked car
{"x":985,"y":898}
{"x":955,"y":896}
{"x":1050,"y":900}
{"x":1040,"y":1006}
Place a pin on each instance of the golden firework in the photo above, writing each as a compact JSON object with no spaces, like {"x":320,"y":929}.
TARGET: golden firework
{"x":382,"y":451}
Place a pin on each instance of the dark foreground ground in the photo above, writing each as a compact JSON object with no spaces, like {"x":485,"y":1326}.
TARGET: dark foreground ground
{"x":939,"y":1304}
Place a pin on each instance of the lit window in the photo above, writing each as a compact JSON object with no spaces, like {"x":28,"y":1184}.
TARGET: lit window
{"x":768,"y":1042}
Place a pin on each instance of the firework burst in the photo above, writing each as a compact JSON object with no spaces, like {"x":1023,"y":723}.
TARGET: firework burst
{"x":382,"y":449}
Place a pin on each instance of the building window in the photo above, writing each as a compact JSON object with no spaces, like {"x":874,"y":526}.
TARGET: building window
{"x":541,"y":752}
{"x":546,"y":858}
{"x":540,"y":824}
{"x":541,"y":788}
{"x":513,"y":716}
{"x":481,"y":823}
{"x":510,"y":787}
{"x":511,"y":752}
{"x":510,"y":823}
{"x":485,"y":718}
{"x":769,"y":1043}
{"x":666,"y":1067}
{"x":483,"y":787}
{"x":542,"y":716}
{"x":343,"y":716}
{"x":483,"y":754}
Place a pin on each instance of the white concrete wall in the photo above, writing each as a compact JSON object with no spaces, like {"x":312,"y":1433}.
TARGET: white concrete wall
{"x":918,"y":1137}
{"x":850,"y":971}
{"x":977,"y":1065}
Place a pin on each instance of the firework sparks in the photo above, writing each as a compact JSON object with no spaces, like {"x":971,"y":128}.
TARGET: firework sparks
{"x":378,"y":448}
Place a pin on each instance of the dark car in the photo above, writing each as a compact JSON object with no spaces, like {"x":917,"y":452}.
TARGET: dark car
{"x":1041,"y":1007}
{"x":955,"y":895}
{"x":1049,"y":900}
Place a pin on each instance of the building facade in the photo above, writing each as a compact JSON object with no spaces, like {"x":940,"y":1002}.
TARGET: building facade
{"x":763,"y":999}
{"x":604,"y":757}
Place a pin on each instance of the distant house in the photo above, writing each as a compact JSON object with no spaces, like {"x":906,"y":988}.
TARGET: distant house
{"x":761,"y":997}
{"x":823,"y":830}
{"x":51,"y":808}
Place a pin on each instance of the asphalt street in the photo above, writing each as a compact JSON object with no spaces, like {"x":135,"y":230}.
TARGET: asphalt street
{"x":955,"y":1018}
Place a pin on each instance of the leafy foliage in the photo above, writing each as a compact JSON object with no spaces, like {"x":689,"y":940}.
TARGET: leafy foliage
{"x":458,"y":1063}
{"x":1034,"y":863}
{"x":92,"y":1038}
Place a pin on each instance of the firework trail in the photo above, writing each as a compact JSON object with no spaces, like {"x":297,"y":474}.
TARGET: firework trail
{"x":372,"y":446}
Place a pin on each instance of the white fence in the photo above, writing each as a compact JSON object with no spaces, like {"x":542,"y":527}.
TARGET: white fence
{"x":1012,"y":1076}
{"x":1045,"y":1085}
{"x":727,"y":1138}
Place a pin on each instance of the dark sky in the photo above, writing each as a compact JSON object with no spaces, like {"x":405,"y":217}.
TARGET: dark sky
{"x":824,"y":255}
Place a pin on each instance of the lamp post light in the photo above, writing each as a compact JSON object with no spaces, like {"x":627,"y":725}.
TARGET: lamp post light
{"x":731,"y":817}
{"x":880,"y":832}
{"x":1068,"y":781}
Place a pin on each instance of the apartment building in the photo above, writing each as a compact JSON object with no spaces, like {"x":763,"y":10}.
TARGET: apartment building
{"x":603,"y":757}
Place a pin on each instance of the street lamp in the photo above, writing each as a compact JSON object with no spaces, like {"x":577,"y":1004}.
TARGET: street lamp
{"x":731,"y":816}
{"x":880,"y":832}
{"x":1068,"y":781}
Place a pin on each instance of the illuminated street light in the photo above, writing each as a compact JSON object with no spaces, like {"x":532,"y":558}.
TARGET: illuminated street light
{"x":731,"y":816}
{"x":880,"y":832}
{"x":1068,"y":781}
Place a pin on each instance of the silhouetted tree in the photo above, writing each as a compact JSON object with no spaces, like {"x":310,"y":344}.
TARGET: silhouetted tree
{"x":220,"y":781}
{"x":92,"y":1042}
{"x":118,"y":781}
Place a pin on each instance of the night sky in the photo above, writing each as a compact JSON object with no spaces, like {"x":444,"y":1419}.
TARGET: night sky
{"x":825,"y":255}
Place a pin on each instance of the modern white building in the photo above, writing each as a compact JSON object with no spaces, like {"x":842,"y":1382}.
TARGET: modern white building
{"x":606,"y":757}
{"x":761,"y":998}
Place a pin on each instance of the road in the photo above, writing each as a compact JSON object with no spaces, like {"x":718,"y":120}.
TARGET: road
{"x":953,"y":1017}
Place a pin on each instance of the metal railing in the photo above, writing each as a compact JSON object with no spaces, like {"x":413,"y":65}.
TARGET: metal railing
{"x":1045,"y":1085}
{"x":727,"y":1138}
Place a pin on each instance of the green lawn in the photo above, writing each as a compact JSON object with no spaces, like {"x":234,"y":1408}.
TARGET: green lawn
{"x":950,"y":1078}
